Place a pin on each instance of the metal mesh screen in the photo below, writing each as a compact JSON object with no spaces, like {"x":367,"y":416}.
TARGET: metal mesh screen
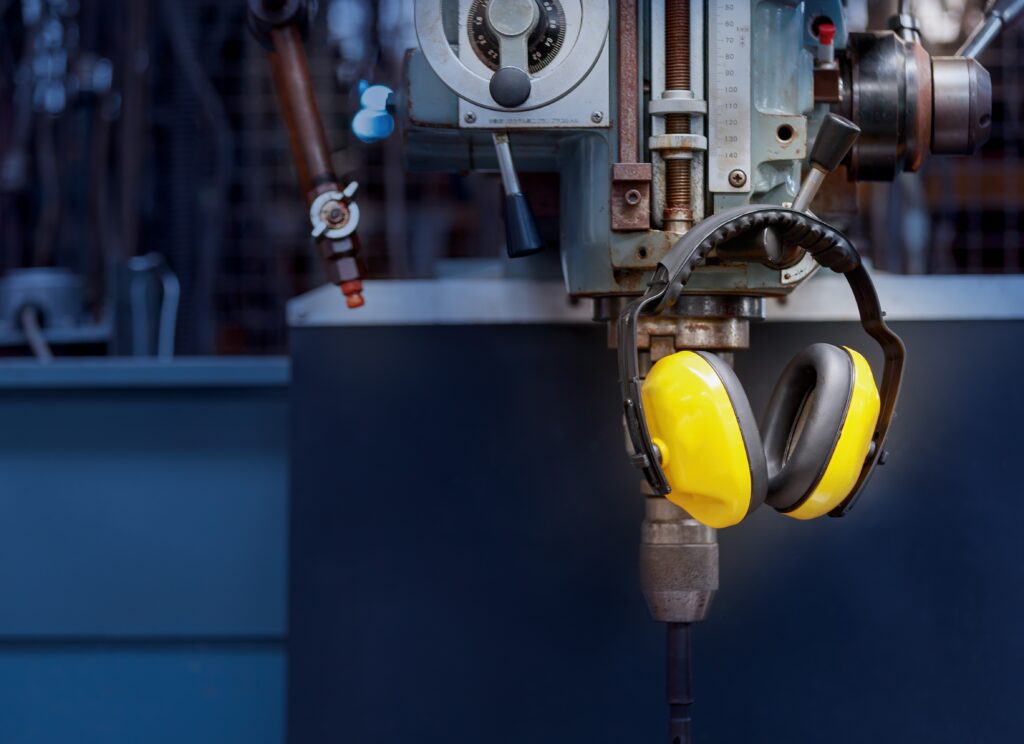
{"x":188,"y":156}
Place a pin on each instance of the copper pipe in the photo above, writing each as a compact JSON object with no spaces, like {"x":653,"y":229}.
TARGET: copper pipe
{"x":677,"y":77}
{"x":310,"y":149}
{"x":629,"y":94}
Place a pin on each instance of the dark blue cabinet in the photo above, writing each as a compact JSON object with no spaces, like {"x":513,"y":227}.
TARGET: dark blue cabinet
{"x":143,"y":551}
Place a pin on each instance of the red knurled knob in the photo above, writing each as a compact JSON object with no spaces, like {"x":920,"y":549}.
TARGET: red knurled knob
{"x":826,"y":34}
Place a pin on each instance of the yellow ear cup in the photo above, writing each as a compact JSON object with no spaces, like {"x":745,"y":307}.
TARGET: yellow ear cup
{"x":851,"y":448}
{"x":711,"y":453}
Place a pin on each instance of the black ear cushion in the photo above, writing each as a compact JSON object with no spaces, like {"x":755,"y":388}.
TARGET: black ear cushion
{"x":803,"y":421}
{"x":748,"y":428}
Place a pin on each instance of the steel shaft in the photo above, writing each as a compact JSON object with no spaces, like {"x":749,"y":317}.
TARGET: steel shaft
{"x":678,"y":555}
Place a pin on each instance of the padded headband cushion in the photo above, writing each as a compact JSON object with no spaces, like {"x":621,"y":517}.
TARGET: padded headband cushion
{"x":748,"y":427}
{"x":803,"y":422}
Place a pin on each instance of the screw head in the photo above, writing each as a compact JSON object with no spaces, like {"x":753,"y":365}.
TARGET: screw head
{"x":334,"y":214}
{"x":737,"y":178}
{"x":597,"y":117}
{"x":470,"y":117}
{"x":633,"y":197}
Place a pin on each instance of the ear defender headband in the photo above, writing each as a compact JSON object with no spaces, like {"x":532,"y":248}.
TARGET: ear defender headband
{"x":826,"y":425}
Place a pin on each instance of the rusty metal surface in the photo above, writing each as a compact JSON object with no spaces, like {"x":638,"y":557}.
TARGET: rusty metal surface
{"x":628,"y":83}
{"x":712,"y":322}
{"x":631,"y":196}
{"x":826,"y":85}
{"x":678,"y":214}
{"x":631,"y":179}
{"x":666,"y":335}
{"x":922,"y":123}
{"x":631,"y":171}
{"x":631,"y":205}
{"x":641,"y":251}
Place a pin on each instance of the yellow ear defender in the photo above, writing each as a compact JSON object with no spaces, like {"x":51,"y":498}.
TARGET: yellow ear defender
{"x":692,"y":429}
{"x":804,"y":460}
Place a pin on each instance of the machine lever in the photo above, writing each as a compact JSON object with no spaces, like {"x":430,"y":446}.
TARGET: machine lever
{"x":835,"y":138}
{"x":521,"y":235}
{"x":999,"y":15}
{"x":512,"y":21}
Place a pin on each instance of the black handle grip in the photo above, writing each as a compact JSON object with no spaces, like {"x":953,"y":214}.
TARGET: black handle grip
{"x":521,"y":235}
{"x":834,"y":140}
{"x":510,"y":87}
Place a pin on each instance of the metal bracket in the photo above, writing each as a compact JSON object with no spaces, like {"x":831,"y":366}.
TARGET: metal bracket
{"x":631,"y":196}
{"x":805,"y":268}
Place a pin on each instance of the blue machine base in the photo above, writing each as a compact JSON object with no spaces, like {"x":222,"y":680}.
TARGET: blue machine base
{"x":464,"y":552}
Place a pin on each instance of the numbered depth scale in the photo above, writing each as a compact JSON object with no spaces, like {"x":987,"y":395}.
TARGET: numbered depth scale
{"x":729,"y":58}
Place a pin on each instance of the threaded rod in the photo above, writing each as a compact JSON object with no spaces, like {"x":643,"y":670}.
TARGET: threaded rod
{"x":678,"y":194}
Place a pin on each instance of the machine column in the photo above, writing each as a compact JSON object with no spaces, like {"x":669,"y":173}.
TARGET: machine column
{"x":679,"y":555}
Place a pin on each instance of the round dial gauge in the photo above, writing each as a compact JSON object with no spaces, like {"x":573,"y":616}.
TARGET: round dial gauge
{"x":562,"y":48}
{"x":542,"y":47}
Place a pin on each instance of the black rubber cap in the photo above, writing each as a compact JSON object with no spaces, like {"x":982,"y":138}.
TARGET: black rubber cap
{"x":521,"y":235}
{"x":510,"y":87}
{"x":834,"y":140}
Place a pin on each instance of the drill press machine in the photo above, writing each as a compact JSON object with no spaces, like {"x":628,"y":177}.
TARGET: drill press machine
{"x":657,"y":115}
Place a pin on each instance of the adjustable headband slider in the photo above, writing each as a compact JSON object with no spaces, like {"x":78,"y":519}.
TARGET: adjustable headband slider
{"x":640,"y":461}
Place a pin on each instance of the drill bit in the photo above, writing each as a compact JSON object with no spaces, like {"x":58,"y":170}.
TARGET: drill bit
{"x":679,"y":683}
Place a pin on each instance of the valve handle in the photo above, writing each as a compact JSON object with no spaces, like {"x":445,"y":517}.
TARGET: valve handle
{"x":835,"y":138}
{"x":521,"y":235}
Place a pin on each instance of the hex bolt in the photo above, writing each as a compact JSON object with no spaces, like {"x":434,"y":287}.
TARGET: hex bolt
{"x":469,"y":118}
{"x":633,"y":197}
{"x":597,"y":117}
{"x":737,"y":178}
